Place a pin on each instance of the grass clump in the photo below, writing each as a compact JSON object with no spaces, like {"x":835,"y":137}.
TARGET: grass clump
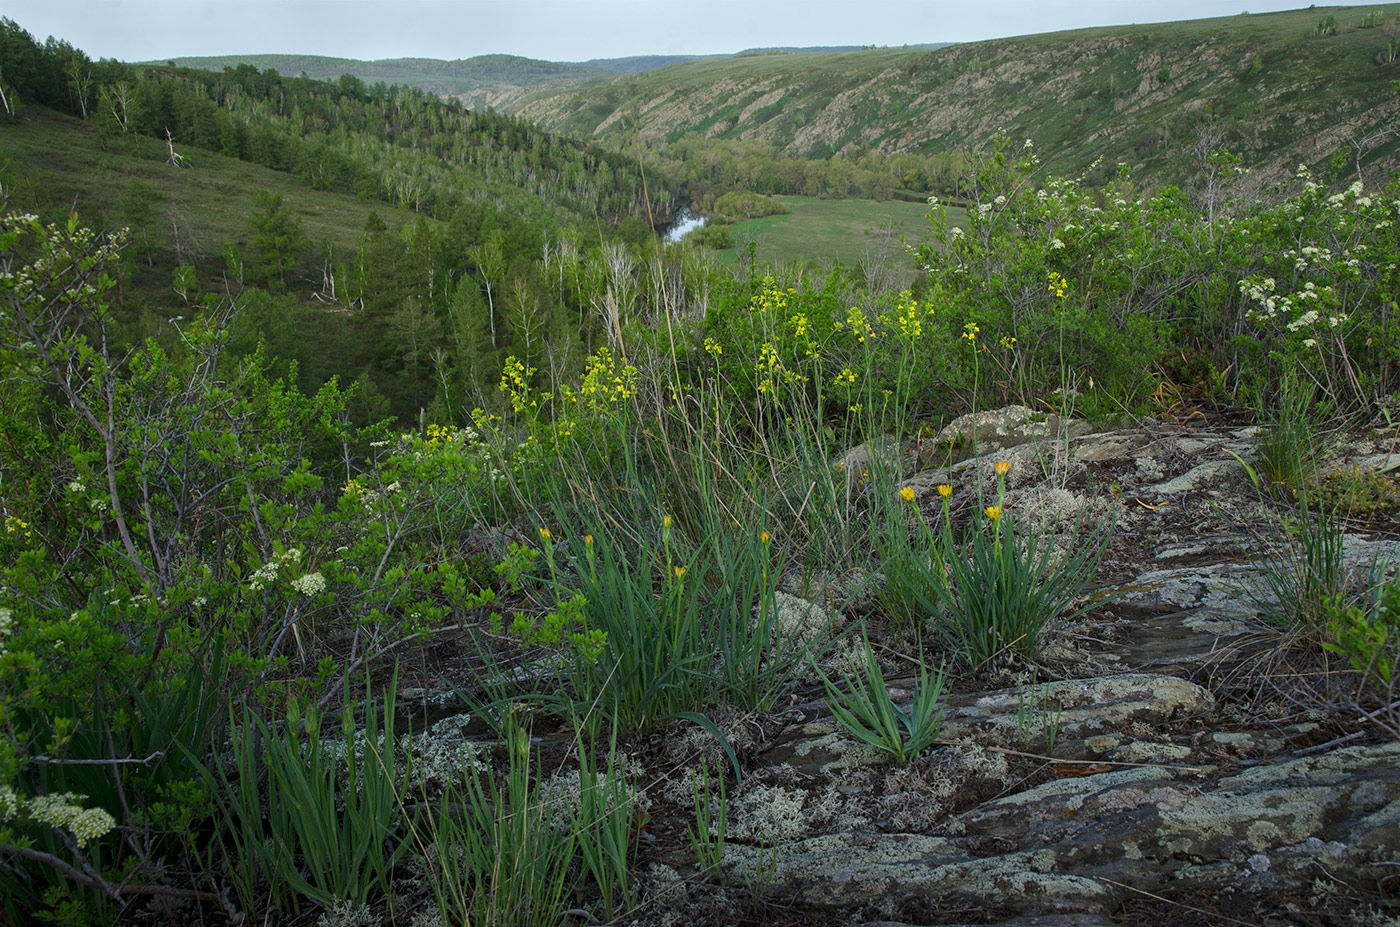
{"x":866,"y":710}
{"x":995,"y":593}
{"x":302,"y":830}
{"x":1292,"y":446}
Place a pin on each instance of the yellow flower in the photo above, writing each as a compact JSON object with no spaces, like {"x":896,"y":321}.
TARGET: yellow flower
{"x":907,"y":494}
{"x":993,"y":512}
{"x":588,"y":540}
{"x":763,"y":537}
{"x":544,"y":534}
{"x":1001,"y":466}
{"x":665,"y":521}
{"x":945,"y":490}
{"x":680,"y":571}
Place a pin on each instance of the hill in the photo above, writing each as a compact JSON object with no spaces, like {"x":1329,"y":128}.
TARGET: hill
{"x":1279,"y":88}
{"x":480,"y":81}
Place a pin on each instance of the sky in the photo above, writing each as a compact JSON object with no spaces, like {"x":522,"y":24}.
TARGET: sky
{"x":562,"y":30}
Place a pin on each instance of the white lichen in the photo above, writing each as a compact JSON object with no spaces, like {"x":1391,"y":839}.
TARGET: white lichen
{"x":767,"y":815}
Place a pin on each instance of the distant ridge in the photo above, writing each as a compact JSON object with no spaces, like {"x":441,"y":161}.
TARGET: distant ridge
{"x":467,"y":78}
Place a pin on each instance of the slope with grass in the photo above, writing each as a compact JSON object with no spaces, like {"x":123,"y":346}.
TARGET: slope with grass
{"x":1275,"y":87}
{"x":54,"y":165}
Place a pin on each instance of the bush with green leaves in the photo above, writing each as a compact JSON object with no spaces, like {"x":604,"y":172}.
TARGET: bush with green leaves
{"x":163,"y":499}
{"x":1223,"y":293}
{"x":1367,"y":635}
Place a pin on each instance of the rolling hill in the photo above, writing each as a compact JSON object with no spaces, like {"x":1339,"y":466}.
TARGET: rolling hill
{"x":1278,"y":88}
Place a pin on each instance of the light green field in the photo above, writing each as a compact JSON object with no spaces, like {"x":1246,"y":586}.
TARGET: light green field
{"x":852,"y":231}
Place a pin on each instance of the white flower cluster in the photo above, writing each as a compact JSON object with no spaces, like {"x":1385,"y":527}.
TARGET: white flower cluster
{"x":7,"y":623}
{"x":9,"y":804}
{"x":266,"y":574}
{"x":1302,"y":309}
{"x":310,"y":585}
{"x":77,"y":486}
{"x":59,"y":811}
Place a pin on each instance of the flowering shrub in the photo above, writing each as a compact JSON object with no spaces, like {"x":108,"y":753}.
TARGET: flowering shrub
{"x":1146,"y":288}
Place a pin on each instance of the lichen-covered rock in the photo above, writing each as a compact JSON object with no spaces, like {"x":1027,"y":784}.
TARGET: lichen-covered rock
{"x":1210,"y":474}
{"x":1063,"y":845}
{"x":800,"y":622}
{"x":1073,"y":710}
{"x":984,"y":432}
{"x":1069,"y":712}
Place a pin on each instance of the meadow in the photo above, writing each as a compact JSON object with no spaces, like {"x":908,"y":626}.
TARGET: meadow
{"x":854,"y":232}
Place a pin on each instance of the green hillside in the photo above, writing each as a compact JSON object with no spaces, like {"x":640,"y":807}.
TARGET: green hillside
{"x":55,"y":165}
{"x":1279,"y":88}
{"x":367,"y":234}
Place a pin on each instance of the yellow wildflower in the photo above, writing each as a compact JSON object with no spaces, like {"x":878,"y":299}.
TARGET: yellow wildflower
{"x":763,"y":537}
{"x":993,"y":512}
{"x":907,"y":494}
{"x":945,"y":490}
{"x":544,"y":534}
{"x":1001,"y":466}
{"x":680,"y":571}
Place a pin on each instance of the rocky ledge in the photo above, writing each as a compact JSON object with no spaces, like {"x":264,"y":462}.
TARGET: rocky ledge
{"x":1151,"y":755}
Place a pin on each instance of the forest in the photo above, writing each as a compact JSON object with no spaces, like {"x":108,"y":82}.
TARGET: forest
{"x":469,"y":564}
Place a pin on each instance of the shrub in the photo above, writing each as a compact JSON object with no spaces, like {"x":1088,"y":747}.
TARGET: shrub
{"x":1368,"y":636}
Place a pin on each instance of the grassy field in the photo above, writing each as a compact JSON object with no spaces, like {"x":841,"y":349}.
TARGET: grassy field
{"x":55,"y":163}
{"x":851,"y":231}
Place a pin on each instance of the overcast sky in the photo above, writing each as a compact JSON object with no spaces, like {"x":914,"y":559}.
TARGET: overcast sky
{"x":562,"y":30}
